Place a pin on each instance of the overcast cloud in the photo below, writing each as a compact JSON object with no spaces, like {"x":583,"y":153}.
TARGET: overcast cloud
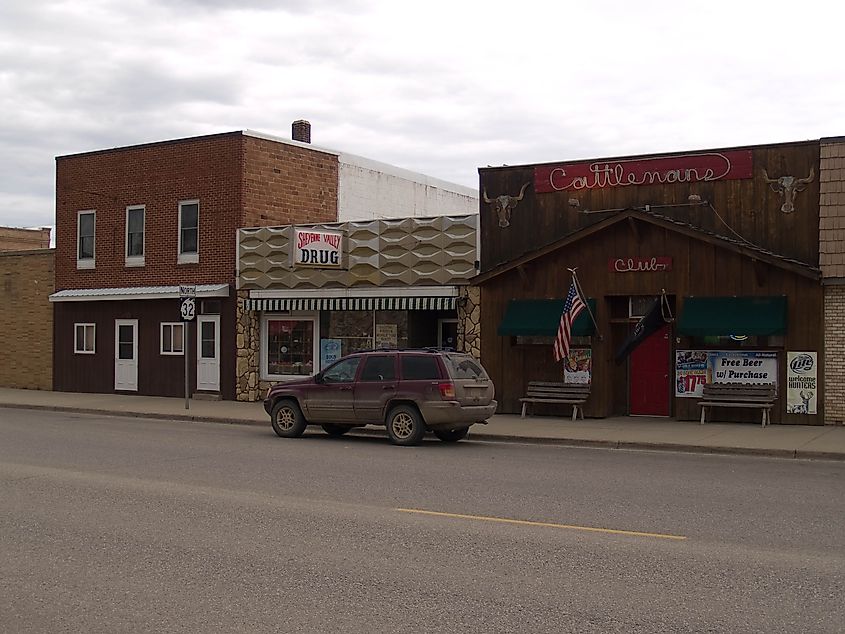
{"x":441,"y":87}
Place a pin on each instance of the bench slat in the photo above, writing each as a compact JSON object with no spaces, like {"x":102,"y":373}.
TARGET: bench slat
{"x":555,"y":392}
{"x":760,"y":397}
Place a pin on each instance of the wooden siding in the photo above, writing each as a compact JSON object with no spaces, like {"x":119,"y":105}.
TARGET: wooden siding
{"x":158,"y":375}
{"x":699,"y":269}
{"x":747,"y":207}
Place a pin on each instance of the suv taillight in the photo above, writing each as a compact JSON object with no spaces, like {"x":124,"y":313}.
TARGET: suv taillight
{"x":447,"y":390}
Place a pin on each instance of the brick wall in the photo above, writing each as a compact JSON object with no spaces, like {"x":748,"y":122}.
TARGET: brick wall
{"x":287,"y":184}
{"x":834,"y":358}
{"x":26,"y":315}
{"x":14,"y":239}
{"x":157,"y":175}
{"x":832,"y":263}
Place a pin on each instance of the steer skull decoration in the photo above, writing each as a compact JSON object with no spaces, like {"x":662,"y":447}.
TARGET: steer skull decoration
{"x":788,"y":188}
{"x":504,"y":205}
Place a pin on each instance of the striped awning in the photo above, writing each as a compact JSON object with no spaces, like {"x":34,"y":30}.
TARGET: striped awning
{"x":352,"y":303}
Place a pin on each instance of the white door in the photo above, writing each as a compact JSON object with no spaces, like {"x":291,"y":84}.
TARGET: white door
{"x":208,"y":353}
{"x":126,"y":354}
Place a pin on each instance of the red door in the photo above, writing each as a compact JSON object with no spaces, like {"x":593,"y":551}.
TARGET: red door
{"x":649,"y":375}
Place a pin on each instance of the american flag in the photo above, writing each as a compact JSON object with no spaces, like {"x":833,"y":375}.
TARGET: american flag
{"x":571,"y":309}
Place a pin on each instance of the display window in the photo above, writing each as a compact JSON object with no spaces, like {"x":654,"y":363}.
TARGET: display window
{"x":288,"y":346}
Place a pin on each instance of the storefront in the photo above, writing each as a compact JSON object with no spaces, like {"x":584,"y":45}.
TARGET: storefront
{"x":717,"y":250}
{"x":311,"y":294}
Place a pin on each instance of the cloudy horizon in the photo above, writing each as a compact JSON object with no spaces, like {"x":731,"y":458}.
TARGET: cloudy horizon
{"x":441,"y":90}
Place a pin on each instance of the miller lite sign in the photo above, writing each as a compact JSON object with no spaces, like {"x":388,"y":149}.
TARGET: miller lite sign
{"x":317,"y":248}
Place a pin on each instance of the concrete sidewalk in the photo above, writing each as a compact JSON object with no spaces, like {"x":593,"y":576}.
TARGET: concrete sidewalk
{"x":788,"y":441}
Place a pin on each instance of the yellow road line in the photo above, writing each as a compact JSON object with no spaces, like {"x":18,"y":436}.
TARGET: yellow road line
{"x":504,"y":520}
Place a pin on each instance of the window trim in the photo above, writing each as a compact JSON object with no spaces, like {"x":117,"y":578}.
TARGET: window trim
{"x":85,"y":263}
{"x":135,"y":260}
{"x":190,"y":257}
{"x":86,"y":325}
{"x":314,"y":317}
{"x":162,"y":351}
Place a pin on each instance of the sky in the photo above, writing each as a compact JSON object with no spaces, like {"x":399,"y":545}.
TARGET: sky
{"x":438,"y":87}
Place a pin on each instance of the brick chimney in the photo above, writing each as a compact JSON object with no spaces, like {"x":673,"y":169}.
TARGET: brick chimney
{"x":301,"y":131}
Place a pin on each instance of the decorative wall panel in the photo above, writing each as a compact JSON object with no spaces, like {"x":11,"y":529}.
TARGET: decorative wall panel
{"x":376,"y":253}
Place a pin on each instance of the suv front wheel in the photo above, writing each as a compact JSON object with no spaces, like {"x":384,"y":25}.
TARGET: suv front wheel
{"x":405,"y":425}
{"x":287,"y":419}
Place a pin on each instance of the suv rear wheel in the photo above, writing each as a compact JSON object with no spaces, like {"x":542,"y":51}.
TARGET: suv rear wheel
{"x":287,"y":419}
{"x":405,"y":425}
{"x":452,"y":435}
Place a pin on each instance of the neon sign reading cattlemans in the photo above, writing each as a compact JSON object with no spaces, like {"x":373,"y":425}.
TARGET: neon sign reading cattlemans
{"x":682,"y":168}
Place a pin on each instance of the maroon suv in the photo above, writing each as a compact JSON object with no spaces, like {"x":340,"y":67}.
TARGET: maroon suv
{"x":409,"y":391}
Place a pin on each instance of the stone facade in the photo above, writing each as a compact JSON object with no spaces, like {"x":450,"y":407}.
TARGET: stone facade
{"x":469,"y":320}
{"x":248,"y":387}
{"x":26,"y":315}
{"x":832,"y":263}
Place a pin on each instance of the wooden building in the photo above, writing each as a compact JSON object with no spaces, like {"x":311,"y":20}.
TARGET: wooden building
{"x":729,"y":237}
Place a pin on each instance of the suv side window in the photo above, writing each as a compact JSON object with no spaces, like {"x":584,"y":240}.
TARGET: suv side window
{"x":379,"y":368}
{"x":342,"y":372}
{"x":419,"y":367}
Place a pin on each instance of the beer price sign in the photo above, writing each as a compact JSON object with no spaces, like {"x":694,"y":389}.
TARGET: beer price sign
{"x":317,"y":248}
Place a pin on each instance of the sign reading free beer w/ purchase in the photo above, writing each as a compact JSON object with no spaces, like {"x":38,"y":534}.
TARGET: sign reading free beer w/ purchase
{"x":317,"y":248}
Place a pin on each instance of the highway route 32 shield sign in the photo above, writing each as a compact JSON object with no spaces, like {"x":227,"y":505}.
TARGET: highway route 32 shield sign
{"x":187,"y":302}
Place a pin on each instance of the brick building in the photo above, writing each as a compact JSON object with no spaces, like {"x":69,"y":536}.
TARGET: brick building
{"x":26,"y":336}
{"x":15,"y":239}
{"x":134,"y":223}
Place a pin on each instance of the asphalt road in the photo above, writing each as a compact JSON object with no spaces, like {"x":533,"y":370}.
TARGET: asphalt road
{"x":131,"y":525}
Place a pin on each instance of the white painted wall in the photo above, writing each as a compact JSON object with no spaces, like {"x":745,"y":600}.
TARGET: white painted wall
{"x":368,"y":190}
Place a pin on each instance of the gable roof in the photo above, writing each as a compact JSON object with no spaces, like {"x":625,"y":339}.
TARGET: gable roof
{"x":731,"y":244}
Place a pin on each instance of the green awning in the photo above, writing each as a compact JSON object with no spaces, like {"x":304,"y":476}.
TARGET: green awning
{"x":541,"y":318}
{"x":703,"y":316}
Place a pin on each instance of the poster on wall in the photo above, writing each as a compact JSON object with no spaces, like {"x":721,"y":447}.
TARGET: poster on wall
{"x":578,"y":366}
{"x":690,"y":373}
{"x":329,"y":352}
{"x":801,"y":382}
{"x":387,"y":335}
{"x":739,"y":366}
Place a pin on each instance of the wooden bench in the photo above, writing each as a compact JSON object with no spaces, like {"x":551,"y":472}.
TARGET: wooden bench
{"x":567,"y":393}
{"x":760,"y":397}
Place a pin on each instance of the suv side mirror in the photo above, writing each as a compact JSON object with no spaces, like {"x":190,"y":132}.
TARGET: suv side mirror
{"x":318,"y":378}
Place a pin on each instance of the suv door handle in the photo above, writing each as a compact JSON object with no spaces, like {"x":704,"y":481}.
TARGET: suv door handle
{"x":388,"y":387}
{"x":346,"y":389}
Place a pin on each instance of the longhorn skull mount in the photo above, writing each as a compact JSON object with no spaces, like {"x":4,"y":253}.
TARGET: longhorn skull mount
{"x":504,"y":205}
{"x":788,"y":188}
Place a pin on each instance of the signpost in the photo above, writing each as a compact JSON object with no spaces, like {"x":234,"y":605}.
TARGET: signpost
{"x":188,"y":311}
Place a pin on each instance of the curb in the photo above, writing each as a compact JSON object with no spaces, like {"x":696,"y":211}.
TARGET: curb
{"x":793,"y":454}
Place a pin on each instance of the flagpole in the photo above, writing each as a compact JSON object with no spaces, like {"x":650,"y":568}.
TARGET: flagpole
{"x":665,"y":301}
{"x":584,"y":299}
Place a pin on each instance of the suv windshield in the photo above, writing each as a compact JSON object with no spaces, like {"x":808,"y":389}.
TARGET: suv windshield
{"x":463,"y":366}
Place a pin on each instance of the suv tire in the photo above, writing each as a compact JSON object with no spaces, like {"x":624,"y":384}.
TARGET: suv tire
{"x":405,"y":426}
{"x":452,"y":435}
{"x":287,"y":419}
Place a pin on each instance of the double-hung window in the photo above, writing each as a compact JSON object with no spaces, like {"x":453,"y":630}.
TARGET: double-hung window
{"x":135,"y":235}
{"x":86,"y":222}
{"x":189,"y":225}
{"x":172,"y":338}
{"x":84,"y":338}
